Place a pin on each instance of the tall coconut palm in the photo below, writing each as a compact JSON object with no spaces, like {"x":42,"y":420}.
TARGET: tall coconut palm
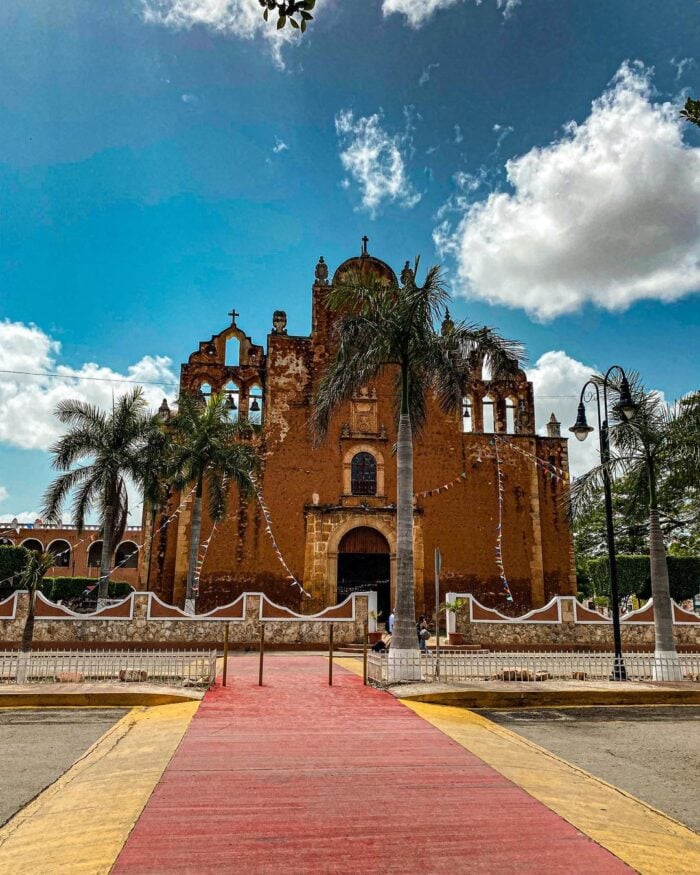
{"x":383,"y":327}
{"x":656,"y":443}
{"x":209,"y":450}
{"x":111,"y":445}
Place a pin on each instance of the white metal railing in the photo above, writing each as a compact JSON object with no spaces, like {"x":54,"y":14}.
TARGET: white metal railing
{"x":192,"y":668}
{"x":453,"y":666}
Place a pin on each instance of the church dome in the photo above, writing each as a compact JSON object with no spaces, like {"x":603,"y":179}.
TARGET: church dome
{"x":364,"y":265}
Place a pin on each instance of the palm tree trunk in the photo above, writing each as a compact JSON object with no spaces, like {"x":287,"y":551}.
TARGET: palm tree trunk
{"x":666,"y":664}
{"x":152,"y":533}
{"x":195,"y":535}
{"x":28,"y":632}
{"x":403,"y":640}
{"x":107,"y":550}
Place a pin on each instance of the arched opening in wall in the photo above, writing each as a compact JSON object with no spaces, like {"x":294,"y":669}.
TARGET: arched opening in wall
{"x":6,"y":542}
{"x":62,"y":552}
{"x":488,"y":412}
{"x":467,"y":415}
{"x":255,"y":405}
{"x":233,"y":400}
{"x":511,"y":413}
{"x":94,"y":554}
{"x":205,"y":392}
{"x":233,"y":352}
{"x":127,"y":555}
{"x":363,"y":474}
{"x":33,"y":544}
{"x":364,"y":565}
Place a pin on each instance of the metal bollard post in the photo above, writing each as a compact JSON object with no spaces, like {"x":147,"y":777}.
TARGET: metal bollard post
{"x":364,"y":652}
{"x":225,"y":654}
{"x":262,"y":650}
{"x":330,"y":655}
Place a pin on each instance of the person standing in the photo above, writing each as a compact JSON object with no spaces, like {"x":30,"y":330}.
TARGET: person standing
{"x":390,"y":622}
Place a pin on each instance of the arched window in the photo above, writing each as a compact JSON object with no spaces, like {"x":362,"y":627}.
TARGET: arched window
{"x":127,"y":555}
{"x":233,"y":400}
{"x":467,"y":415}
{"x":487,"y":406}
{"x":33,"y":544}
{"x":363,"y":475}
{"x":205,"y":392}
{"x":233,"y":352}
{"x":511,"y":411}
{"x":255,"y":405}
{"x":62,"y":551}
{"x":94,"y":554}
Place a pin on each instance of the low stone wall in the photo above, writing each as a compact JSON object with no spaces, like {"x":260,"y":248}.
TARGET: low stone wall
{"x":143,"y":620}
{"x":562,"y":624}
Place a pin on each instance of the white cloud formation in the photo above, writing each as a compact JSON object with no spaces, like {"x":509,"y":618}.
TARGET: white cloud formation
{"x":28,"y":402}
{"x":557,"y":381}
{"x":26,"y":516}
{"x":681,"y":66}
{"x":417,"y":12}
{"x":239,"y":18}
{"x":425,"y":75}
{"x":459,"y":136}
{"x":3,"y":493}
{"x":280,"y":146}
{"x":375,"y":160}
{"x":607,"y":215}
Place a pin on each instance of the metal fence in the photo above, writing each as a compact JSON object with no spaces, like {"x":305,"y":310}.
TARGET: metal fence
{"x":180,"y":668}
{"x":465,"y":666}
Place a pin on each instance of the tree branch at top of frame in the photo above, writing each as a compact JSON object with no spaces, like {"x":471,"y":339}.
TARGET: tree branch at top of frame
{"x":691,"y":111}
{"x":296,"y":12}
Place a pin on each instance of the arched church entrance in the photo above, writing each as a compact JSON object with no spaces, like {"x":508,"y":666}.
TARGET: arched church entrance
{"x":364,"y":565}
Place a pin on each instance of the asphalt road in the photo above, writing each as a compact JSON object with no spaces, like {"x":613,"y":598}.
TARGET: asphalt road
{"x":652,"y":753}
{"x":38,"y":745}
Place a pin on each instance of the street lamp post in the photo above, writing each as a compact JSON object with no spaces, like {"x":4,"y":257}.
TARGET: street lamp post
{"x":581,"y":429}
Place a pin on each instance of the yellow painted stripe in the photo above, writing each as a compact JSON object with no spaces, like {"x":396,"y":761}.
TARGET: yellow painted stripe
{"x":351,"y":663}
{"x":644,"y":838}
{"x":80,"y":823}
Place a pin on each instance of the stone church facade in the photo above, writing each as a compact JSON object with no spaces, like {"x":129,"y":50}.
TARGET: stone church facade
{"x":333,"y":507}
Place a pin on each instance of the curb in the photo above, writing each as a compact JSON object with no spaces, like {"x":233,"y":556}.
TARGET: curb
{"x":91,"y":700}
{"x":555,"y":698}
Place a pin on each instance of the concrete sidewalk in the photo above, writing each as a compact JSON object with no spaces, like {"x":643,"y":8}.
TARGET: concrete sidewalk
{"x":300,"y":777}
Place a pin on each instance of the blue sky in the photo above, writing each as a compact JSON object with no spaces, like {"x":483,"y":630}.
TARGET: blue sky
{"x":161,"y":161}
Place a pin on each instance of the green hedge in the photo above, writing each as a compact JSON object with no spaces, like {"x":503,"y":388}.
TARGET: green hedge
{"x":634,"y":576}
{"x":12,"y":561}
{"x":66,"y":589}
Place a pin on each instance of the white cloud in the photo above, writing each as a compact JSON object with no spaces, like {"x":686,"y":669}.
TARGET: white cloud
{"x":681,"y":66}
{"x":417,"y":12}
{"x":557,"y":381}
{"x":375,"y":160}
{"x":28,"y":402}
{"x":280,"y":146}
{"x":425,"y":75}
{"x":189,"y":98}
{"x":3,"y":493}
{"x":26,"y":516}
{"x":607,"y":215}
{"x":459,"y":136}
{"x":239,"y":18}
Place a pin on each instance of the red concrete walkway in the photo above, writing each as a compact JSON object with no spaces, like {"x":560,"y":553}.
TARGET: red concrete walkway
{"x":297,"y":777}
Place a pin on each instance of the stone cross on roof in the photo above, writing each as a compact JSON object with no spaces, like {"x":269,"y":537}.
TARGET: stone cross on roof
{"x":365,"y":241}
{"x":233,"y":313}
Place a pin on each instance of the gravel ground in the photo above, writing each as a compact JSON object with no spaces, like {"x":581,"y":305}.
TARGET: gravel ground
{"x":38,"y":745}
{"x":651,"y":752}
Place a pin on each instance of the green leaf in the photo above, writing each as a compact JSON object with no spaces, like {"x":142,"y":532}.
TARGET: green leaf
{"x":307,"y":16}
{"x":309,"y":4}
{"x":303,"y":25}
{"x":281,"y":21}
{"x":293,"y":22}
{"x":266,"y":14}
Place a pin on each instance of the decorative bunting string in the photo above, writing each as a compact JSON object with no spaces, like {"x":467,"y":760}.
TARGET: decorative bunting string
{"x":499,"y":529}
{"x":445,"y":486}
{"x":552,"y":469}
{"x":271,"y":535}
{"x":200,"y":561}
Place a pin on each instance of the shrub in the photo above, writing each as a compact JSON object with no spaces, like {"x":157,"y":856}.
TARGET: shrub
{"x":68,"y":589}
{"x":12,"y":562}
{"x":634,"y":576}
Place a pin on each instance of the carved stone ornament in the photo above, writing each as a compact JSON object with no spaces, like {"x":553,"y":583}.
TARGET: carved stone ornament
{"x":279,"y":322}
{"x":406,"y":274}
{"x":345,"y":430}
{"x":322,"y":272}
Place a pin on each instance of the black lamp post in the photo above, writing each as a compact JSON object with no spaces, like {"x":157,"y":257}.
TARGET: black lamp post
{"x":626,"y":408}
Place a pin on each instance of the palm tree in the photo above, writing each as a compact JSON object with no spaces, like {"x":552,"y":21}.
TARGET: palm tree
{"x":30,"y":579}
{"x":656,"y":443}
{"x":208,"y":449}
{"x":112,"y":445}
{"x":384,"y":326}
{"x":157,"y":479}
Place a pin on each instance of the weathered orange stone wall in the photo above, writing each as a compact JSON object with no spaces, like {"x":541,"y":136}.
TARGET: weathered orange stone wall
{"x":306,"y":491}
